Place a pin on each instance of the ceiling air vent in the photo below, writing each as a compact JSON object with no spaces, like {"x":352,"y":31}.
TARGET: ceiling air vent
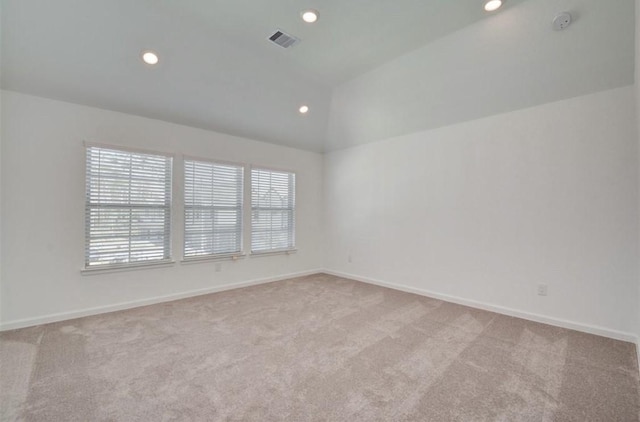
{"x":283,"y":40}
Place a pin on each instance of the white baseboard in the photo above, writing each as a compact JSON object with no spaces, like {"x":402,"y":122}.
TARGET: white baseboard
{"x":63,"y":316}
{"x":558,"y":322}
{"x":591,"y":329}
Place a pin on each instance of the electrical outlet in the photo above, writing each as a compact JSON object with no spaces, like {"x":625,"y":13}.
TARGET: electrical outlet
{"x":542,"y":289}
{"x":349,"y":259}
{"x":218,"y":267}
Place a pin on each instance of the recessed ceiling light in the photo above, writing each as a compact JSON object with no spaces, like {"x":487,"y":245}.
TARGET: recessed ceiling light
{"x":310,"y":16}
{"x":149,"y":57}
{"x":303,"y":109}
{"x":492,"y":5}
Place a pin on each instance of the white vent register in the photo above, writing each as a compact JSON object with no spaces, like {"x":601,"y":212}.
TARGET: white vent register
{"x":283,"y":39}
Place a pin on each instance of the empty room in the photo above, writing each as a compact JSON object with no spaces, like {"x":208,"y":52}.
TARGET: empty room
{"x":319,"y":210}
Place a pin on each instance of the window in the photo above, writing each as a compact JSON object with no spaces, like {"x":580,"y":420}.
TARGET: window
{"x":272,"y":210}
{"x":128,"y":208}
{"x":212,"y":209}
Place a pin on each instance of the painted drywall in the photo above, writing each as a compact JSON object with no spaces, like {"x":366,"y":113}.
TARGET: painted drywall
{"x":487,"y":209}
{"x":512,"y":60}
{"x":43,"y":209}
{"x":637,"y":86}
{"x":0,"y":172}
{"x":204,"y":79}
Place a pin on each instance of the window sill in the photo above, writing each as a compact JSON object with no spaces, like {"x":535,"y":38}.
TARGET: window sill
{"x":276,"y":252}
{"x":129,"y":267}
{"x":212,"y":258}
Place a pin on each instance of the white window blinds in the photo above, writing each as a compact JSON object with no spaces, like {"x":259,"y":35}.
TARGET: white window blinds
{"x":212,"y":209}
{"x":128,"y":207}
{"x":272,"y":210}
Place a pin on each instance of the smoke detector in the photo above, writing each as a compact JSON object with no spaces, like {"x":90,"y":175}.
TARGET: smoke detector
{"x":562,"y":21}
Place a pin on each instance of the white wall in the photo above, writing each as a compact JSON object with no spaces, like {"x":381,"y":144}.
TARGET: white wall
{"x":0,"y":173}
{"x":43,"y":209}
{"x":487,"y":209}
{"x":205,"y":78}
{"x":637,"y":86}
{"x":509,"y":61}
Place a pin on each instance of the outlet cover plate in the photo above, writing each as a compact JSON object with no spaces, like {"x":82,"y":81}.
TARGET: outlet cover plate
{"x":542,"y":289}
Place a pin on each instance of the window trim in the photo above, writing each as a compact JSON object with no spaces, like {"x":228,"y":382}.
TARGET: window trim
{"x":127,"y":267}
{"x":274,"y":252}
{"x":214,"y":256}
{"x":281,"y":251}
{"x":134,"y":150}
{"x":177,"y":186}
{"x":107,"y":268}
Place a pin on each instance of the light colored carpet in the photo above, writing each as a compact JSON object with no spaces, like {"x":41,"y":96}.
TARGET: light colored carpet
{"x":317,"y":348}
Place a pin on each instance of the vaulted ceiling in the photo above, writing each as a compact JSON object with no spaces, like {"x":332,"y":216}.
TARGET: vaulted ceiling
{"x":218,"y":71}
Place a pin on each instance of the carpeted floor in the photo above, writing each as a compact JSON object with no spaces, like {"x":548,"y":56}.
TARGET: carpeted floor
{"x":317,"y":348}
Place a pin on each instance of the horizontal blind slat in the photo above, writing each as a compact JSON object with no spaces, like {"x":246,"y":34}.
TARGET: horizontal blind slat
{"x":213,"y":208}
{"x":272,"y":210}
{"x":128,"y":207}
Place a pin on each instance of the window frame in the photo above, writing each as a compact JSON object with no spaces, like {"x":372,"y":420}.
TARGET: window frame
{"x":169,"y":207}
{"x":213,"y":256}
{"x":276,"y":251}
